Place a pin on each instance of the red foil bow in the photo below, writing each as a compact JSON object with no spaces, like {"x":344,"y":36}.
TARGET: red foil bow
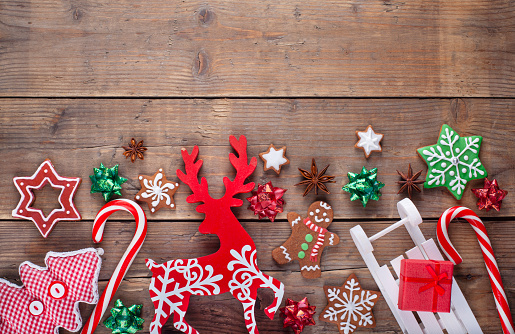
{"x":490,"y":196}
{"x":267,"y":201}
{"x":435,"y":281}
{"x":298,"y":314}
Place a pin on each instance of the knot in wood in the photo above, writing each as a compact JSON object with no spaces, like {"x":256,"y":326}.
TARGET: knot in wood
{"x":201,"y":64}
{"x":205,"y":16}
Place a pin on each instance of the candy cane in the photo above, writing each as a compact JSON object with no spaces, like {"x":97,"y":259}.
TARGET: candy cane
{"x":127,"y":258}
{"x":488,"y":254}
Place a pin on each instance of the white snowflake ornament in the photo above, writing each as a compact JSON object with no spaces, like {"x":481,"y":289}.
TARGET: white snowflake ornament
{"x":369,"y":141}
{"x":274,"y":158}
{"x":349,"y":306}
{"x":453,"y":161}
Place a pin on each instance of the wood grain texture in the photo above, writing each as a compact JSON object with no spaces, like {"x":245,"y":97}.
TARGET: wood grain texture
{"x":78,"y":135}
{"x":309,"y":63}
{"x":20,"y":241}
{"x":257,"y":48}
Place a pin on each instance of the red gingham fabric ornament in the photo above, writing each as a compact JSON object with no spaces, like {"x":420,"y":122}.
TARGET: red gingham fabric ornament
{"x":49,"y":297}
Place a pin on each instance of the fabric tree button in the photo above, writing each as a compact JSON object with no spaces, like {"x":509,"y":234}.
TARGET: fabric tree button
{"x":36,"y":308}
{"x":57,"y":290}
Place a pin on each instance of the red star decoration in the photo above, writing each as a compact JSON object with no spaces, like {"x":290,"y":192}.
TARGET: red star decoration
{"x":298,"y":314}
{"x":490,"y":196}
{"x":46,"y":174}
{"x":267,"y":201}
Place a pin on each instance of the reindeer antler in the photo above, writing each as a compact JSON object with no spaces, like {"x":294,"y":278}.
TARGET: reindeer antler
{"x":200,"y":190}
{"x":243,"y":170}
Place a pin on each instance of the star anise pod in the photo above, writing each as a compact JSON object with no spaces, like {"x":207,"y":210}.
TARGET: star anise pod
{"x":409,"y":181}
{"x":134,"y":150}
{"x":314,"y":179}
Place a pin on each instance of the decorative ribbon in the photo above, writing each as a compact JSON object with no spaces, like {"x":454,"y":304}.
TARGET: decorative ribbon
{"x":436,"y":279}
{"x":297,"y":315}
{"x":321,"y":235}
{"x":434,"y":284}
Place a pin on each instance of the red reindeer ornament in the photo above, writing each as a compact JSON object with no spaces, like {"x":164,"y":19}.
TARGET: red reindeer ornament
{"x":232,"y":268}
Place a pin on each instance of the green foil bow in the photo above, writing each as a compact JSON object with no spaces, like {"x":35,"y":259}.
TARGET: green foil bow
{"x":364,"y":186}
{"x":124,"y":320}
{"x":106,"y":181}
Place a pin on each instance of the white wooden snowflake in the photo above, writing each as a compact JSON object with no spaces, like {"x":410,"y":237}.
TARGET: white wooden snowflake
{"x":453,"y":161}
{"x":349,"y":306}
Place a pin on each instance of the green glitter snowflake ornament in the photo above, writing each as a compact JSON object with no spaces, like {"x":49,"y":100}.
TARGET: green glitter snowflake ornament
{"x":364,"y":186}
{"x":106,"y":181}
{"x":452,"y":161}
{"x":124,"y":320}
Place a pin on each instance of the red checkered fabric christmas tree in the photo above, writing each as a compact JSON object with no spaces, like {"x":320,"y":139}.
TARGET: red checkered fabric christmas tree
{"x":49,"y":297}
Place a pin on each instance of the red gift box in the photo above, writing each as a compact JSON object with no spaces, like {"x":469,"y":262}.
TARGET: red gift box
{"x":425,"y":285}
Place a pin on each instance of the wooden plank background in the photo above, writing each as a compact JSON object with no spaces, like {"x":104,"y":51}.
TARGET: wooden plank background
{"x":86,"y":132}
{"x":79,"y":79}
{"x":257,"y":48}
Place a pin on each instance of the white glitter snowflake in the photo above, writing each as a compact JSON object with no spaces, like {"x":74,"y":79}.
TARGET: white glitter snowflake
{"x":350,"y":306}
{"x":453,"y":161}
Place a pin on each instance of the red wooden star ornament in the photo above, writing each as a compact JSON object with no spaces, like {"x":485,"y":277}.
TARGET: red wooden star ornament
{"x":490,"y":196}
{"x":46,"y":174}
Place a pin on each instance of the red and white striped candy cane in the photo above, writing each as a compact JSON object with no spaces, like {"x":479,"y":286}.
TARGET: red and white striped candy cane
{"x":488,"y":254}
{"x":127,"y":258}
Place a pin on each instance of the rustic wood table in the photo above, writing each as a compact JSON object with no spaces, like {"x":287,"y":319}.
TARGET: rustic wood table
{"x":79,"y":79}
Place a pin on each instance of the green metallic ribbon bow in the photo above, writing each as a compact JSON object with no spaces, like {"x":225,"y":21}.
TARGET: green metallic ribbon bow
{"x":124,"y":320}
{"x":106,"y":181}
{"x":364,"y":186}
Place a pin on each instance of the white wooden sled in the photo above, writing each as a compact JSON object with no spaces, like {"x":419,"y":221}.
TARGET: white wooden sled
{"x":461,"y":320}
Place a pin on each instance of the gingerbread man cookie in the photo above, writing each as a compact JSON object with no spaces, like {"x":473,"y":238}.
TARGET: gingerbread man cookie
{"x":308,"y":238}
